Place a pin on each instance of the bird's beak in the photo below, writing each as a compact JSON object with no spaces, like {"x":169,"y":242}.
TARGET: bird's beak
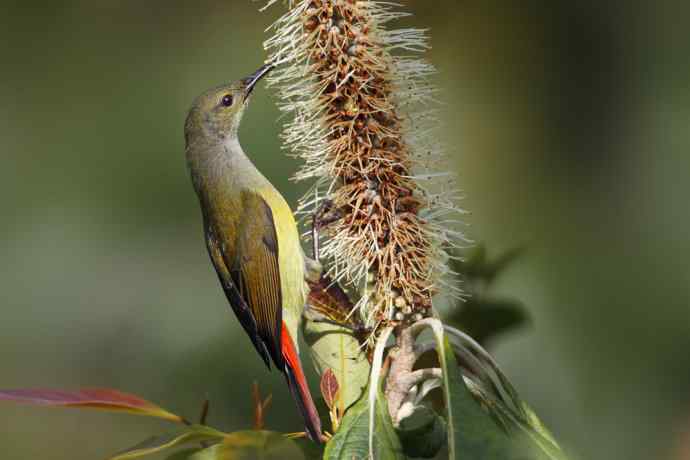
{"x":254,"y":78}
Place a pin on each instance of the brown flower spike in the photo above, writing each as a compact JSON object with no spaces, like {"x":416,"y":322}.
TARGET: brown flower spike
{"x":362,"y":123}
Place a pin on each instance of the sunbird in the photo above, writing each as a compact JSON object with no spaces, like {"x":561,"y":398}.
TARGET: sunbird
{"x":251,"y":235}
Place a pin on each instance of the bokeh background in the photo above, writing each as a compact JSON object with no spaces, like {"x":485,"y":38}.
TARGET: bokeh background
{"x":568,"y":123}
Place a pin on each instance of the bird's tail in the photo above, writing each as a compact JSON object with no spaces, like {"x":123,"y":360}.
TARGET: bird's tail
{"x":298,"y":386}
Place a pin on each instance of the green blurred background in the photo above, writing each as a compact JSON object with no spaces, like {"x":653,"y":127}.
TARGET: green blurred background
{"x":568,"y":125}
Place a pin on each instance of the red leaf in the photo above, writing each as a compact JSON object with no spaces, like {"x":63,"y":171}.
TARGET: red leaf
{"x":89,"y":398}
{"x":329,"y":387}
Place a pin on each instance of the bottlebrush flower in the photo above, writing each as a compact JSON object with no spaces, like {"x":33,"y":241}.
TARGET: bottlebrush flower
{"x":363,"y":120}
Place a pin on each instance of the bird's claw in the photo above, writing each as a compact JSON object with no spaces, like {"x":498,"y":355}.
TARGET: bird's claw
{"x":323,"y":216}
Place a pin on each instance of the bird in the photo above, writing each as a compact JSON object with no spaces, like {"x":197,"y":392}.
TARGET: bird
{"x":251,"y":235}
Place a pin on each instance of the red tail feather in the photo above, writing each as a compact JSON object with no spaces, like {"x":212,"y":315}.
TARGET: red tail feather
{"x":298,"y":386}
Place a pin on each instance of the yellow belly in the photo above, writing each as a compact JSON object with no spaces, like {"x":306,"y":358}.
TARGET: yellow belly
{"x":290,"y":258}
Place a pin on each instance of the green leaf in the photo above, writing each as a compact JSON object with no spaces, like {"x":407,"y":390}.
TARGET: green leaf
{"x":336,"y":348}
{"x":541,"y":435}
{"x":481,"y":317}
{"x":502,"y":400}
{"x":472,"y":264}
{"x":351,"y":442}
{"x":104,"y":399}
{"x":196,"y":433}
{"x":537,"y":424}
{"x":332,"y":335}
{"x":423,"y":433}
{"x":474,"y":260}
{"x":485,"y":319}
{"x":469,"y":430}
{"x":501,"y":262}
{"x":477,"y":266}
{"x":483,"y":428}
{"x":472,"y":433}
{"x":251,"y":445}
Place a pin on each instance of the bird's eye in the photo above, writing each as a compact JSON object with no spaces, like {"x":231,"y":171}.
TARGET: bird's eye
{"x":226,"y":101}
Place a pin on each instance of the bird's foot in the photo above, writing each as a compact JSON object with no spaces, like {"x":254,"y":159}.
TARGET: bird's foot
{"x":323,"y":216}
{"x":313,"y":270}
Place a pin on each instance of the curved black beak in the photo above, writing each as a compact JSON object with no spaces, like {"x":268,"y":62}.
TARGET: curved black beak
{"x":254,"y":78}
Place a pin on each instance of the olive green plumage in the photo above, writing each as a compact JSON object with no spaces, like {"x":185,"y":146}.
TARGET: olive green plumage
{"x":250,"y":232}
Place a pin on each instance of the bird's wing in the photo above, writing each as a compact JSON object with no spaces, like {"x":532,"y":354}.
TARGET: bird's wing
{"x":256,"y":272}
{"x":237,"y":302}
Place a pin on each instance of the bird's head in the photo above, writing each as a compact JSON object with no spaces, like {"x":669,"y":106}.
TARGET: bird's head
{"x":218,"y":111}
